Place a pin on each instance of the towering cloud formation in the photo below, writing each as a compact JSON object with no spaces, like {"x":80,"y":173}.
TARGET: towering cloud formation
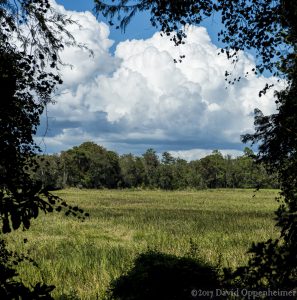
{"x":139,"y":98}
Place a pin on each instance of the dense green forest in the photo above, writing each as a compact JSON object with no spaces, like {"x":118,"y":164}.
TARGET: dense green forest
{"x":92,"y":166}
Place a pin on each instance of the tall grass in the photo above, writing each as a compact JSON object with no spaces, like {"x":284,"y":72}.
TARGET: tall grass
{"x":81,"y":258}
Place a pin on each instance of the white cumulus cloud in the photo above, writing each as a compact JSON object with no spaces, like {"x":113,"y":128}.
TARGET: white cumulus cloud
{"x":139,"y":98}
{"x":194,"y":154}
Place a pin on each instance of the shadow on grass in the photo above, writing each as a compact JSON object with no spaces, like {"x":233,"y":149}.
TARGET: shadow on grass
{"x":161,"y":276}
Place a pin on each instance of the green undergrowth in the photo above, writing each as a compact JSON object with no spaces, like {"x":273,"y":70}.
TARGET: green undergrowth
{"x":82,"y":258}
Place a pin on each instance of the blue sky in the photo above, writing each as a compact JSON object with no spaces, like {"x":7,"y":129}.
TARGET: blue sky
{"x":140,"y":27}
{"x":131,"y":96}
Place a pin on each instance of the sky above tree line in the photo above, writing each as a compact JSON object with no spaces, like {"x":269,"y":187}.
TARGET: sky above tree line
{"x":131,"y":96}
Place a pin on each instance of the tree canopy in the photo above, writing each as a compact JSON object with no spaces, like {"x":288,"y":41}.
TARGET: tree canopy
{"x":31,"y":38}
{"x":266,"y":27}
{"x":92,"y":166}
{"x":32,"y":34}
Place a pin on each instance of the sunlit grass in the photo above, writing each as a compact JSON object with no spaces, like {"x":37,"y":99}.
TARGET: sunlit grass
{"x":82,"y":257}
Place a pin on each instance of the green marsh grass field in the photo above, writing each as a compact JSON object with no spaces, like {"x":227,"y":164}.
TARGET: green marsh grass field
{"x":81,"y":258}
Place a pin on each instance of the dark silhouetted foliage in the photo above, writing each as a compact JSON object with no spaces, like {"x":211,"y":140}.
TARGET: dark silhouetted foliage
{"x":27,"y":89}
{"x":31,"y":35}
{"x":10,"y":287}
{"x":160,"y":276}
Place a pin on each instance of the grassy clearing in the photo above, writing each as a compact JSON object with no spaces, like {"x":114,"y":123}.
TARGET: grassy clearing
{"x":82,"y":258}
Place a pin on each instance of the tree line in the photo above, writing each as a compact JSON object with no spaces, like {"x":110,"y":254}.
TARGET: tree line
{"x":92,"y":166}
